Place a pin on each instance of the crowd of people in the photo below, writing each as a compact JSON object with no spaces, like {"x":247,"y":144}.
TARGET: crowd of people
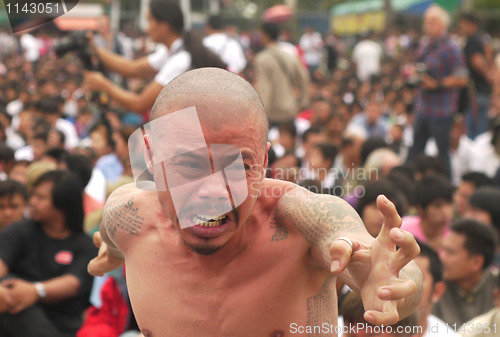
{"x":413,"y":116}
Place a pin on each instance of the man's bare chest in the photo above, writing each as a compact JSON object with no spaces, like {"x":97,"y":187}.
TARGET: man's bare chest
{"x":262,"y":292}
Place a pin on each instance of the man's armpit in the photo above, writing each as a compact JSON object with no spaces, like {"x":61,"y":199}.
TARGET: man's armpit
{"x":122,"y":215}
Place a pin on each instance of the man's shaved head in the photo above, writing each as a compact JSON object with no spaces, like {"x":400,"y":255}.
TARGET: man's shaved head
{"x":219,"y":96}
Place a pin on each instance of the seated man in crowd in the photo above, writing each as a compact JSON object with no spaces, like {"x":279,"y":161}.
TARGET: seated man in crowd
{"x":467,"y":253}
{"x":434,"y":287}
{"x":433,"y":196}
{"x":470,"y":182}
{"x":43,"y":262}
{"x":13,"y":201}
{"x":484,"y":325}
{"x":214,"y":249}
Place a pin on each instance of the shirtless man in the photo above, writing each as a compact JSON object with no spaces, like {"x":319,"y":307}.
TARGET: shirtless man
{"x":265,"y":267}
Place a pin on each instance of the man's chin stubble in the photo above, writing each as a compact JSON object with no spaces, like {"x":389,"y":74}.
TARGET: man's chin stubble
{"x":203,"y":249}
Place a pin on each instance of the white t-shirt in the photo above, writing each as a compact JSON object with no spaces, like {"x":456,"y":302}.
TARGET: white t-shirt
{"x":69,"y":131}
{"x":289,"y":48}
{"x":96,"y":187}
{"x":228,"y":49}
{"x":367,"y":54}
{"x":14,"y":107}
{"x":312,"y":46}
{"x":24,"y":153}
{"x":169,"y":63}
{"x":31,"y":46}
{"x":484,"y":158}
{"x":158,"y":57}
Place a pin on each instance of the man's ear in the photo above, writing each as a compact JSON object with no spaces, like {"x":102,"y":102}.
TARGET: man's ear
{"x":477,"y":262}
{"x":148,"y":153}
{"x":438,"y":291}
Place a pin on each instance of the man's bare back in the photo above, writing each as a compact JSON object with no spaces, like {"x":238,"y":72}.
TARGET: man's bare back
{"x":259,"y":287}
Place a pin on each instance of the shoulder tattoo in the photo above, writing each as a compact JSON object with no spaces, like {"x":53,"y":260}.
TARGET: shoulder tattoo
{"x":122,"y":215}
{"x":319,"y":218}
{"x":317,"y":215}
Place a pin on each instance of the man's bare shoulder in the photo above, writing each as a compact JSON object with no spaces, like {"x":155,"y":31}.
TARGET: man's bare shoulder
{"x":124,"y":209}
{"x":128,"y":190}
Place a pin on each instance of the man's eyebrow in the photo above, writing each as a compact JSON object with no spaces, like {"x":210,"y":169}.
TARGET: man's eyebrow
{"x":248,"y":155}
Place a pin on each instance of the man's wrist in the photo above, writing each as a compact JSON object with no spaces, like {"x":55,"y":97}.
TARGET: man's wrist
{"x":40,"y":290}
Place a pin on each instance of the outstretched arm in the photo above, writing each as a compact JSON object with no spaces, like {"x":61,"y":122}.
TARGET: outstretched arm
{"x":371,"y":266}
{"x":138,"y":103}
{"x":109,"y":257}
{"x":123,"y":66}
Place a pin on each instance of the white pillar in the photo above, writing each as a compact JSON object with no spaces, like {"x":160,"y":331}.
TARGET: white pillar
{"x":214,"y":7}
{"x":115,"y":16}
{"x":143,"y":15}
{"x":186,"y":10}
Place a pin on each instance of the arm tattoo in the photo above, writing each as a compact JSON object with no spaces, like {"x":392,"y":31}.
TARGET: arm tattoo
{"x":321,"y":307}
{"x":410,"y":272}
{"x":281,"y":232}
{"x":122,"y":215}
{"x":319,"y":218}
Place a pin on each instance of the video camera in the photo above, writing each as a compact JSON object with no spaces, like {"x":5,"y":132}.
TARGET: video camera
{"x":413,"y":74}
{"x":78,"y":43}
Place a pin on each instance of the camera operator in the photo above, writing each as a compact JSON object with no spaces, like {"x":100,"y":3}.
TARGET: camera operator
{"x":179,"y":51}
{"x":437,"y":95}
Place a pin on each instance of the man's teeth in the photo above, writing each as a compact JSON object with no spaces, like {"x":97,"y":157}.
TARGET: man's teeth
{"x":208,"y":221}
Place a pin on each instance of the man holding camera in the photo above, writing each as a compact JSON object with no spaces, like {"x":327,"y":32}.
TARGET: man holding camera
{"x":166,"y":26}
{"x":437,"y":96}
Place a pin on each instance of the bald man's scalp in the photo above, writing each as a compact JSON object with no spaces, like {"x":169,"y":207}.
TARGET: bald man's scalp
{"x":213,"y":90}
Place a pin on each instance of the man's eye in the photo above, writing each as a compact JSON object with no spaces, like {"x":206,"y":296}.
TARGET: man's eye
{"x":191,"y":165}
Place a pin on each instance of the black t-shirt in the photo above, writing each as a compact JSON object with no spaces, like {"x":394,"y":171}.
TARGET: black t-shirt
{"x":33,"y":256}
{"x":475,"y":45}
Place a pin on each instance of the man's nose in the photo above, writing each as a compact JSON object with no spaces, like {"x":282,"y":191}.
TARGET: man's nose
{"x":213,"y":187}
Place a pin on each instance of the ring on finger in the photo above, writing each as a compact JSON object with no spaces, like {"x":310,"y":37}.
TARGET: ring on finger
{"x":343,"y":238}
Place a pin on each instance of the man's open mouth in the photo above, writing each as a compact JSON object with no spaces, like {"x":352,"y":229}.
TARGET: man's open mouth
{"x":209,"y":221}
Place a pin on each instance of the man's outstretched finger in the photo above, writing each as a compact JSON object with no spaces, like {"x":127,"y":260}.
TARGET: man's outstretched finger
{"x":97,"y":238}
{"x":397,"y":291}
{"x":389,"y":316}
{"x":408,"y":248}
{"x":341,"y":251}
{"x":96,"y":267}
{"x":391,"y":216}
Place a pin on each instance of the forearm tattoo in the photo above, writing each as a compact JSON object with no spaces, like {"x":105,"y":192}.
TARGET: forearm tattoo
{"x":411,"y":272}
{"x":122,"y":215}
